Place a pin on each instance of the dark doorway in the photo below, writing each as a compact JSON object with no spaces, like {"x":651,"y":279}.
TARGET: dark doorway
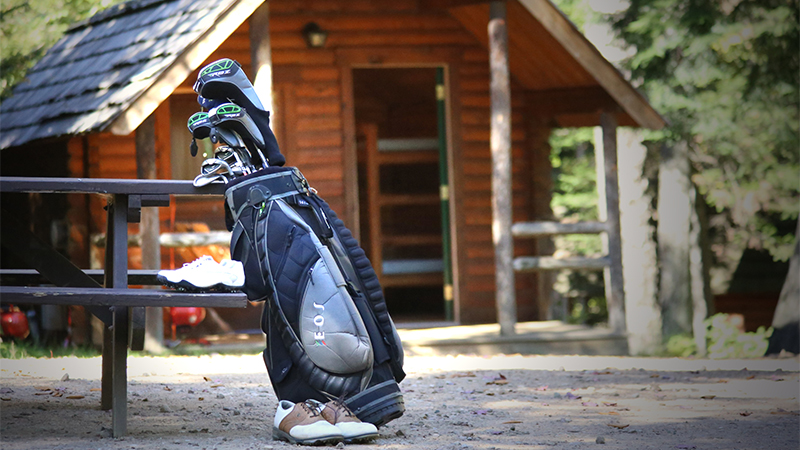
{"x":399,"y":184}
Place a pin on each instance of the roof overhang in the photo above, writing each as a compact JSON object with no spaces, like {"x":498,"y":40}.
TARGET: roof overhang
{"x":186,"y":63}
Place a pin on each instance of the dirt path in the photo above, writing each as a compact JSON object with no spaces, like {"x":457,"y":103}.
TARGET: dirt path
{"x":502,"y":402}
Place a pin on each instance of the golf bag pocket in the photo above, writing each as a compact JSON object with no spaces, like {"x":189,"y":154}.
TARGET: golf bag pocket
{"x":312,"y":294}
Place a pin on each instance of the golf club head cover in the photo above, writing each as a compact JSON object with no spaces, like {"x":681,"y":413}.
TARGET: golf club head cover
{"x":230,"y":116}
{"x":224,"y":80}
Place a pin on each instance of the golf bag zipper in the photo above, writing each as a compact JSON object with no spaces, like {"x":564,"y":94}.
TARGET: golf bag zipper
{"x":289,"y":239}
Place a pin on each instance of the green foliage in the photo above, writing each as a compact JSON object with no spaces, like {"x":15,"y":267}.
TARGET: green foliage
{"x":19,"y":349}
{"x":29,"y":28}
{"x":575,"y":199}
{"x":723,"y":341}
{"x":727,"y":77}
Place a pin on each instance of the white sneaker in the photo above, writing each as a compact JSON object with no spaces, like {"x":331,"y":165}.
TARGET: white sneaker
{"x":302,"y":423}
{"x":205,"y":275}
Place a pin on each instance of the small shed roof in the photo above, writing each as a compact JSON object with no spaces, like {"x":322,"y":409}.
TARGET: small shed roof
{"x":102,"y":66}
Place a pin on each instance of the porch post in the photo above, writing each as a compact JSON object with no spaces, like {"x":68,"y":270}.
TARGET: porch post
{"x":615,"y":292}
{"x":150,"y":229}
{"x":261,"y":55}
{"x":501,"y":168}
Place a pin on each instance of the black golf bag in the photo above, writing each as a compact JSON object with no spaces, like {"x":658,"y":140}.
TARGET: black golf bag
{"x":329,"y":333}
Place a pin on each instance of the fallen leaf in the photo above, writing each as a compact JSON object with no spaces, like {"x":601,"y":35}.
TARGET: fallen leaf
{"x":43,"y":388}
{"x":655,"y":375}
{"x":609,"y":404}
{"x":513,"y":421}
{"x":167,"y":388}
{"x":201,"y":398}
{"x":96,"y":390}
{"x":58,"y":394}
{"x":707,"y":397}
{"x":722,"y":381}
{"x":745,"y":413}
{"x":619,"y":426}
{"x":784,"y":412}
{"x":750,"y":377}
{"x":41,"y":393}
{"x":5,"y":399}
{"x":207,"y":379}
{"x":463,"y":375}
{"x":75,"y":397}
{"x":217,"y":385}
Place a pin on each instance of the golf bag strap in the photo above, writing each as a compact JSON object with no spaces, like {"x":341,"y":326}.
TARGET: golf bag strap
{"x":257,"y":190}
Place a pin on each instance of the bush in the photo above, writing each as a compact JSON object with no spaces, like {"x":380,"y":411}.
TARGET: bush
{"x":723,"y":341}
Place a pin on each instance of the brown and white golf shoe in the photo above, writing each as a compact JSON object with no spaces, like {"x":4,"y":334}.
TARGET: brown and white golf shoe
{"x":352,"y":429}
{"x":303,"y":423}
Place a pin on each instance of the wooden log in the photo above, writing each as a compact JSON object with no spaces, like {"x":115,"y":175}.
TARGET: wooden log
{"x":615,"y":292}
{"x":500,"y":145}
{"x":152,"y":336}
{"x":536,"y":263}
{"x":537,"y":229}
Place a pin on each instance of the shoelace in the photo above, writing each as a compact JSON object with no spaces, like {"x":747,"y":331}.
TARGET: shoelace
{"x":341,"y":408}
{"x":198,"y":262}
{"x":311,"y":408}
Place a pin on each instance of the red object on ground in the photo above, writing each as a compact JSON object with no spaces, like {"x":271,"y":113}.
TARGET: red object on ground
{"x":187,"y":315}
{"x":15,"y":324}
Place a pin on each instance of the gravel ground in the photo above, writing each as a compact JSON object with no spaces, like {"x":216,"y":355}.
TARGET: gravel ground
{"x":464,"y":402}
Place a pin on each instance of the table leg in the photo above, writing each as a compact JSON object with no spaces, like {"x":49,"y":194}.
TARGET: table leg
{"x":107,"y":380}
{"x":115,"y":343}
{"x":119,"y":388}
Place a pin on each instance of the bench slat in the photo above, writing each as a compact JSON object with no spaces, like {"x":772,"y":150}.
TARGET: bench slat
{"x":118,"y":297}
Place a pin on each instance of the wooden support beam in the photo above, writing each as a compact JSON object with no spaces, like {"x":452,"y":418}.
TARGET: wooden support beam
{"x":537,"y":263}
{"x":538,"y":229}
{"x":615,"y":293}
{"x":149,"y":230}
{"x":501,"y":168}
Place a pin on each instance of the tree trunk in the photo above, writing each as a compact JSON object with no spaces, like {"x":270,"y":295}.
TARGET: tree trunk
{"x":786,"y":321}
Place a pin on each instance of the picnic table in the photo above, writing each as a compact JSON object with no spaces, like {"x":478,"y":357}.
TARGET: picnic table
{"x":120,"y":308}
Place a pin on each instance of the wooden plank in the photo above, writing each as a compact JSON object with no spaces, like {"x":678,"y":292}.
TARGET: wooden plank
{"x":29,"y":277}
{"x":538,"y":229}
{"x":105,"y":186}
{"x":534,"y":263}
{"x":26,"y":295}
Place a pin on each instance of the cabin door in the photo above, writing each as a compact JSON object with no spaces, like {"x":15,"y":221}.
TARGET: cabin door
{"x":402,"y":182}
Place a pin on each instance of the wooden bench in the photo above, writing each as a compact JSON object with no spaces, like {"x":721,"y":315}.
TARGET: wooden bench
{"x":119,"y":308}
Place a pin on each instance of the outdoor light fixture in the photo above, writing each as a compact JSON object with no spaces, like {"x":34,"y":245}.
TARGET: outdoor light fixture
{"x":315,"y":36}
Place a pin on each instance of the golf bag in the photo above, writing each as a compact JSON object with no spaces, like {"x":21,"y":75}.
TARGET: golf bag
{"x":329,"y":333}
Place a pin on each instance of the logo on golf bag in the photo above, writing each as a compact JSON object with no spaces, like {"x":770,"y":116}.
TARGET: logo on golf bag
{"x":319,"y":321}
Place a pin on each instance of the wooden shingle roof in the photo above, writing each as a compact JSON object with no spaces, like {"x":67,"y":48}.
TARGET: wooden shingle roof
{"x":103,"y":68}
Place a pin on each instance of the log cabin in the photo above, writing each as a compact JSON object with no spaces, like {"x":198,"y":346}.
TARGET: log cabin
{"x":384,"y":105}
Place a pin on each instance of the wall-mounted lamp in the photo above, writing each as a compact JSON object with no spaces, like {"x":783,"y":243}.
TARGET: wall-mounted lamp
{"x":315,"y":36}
